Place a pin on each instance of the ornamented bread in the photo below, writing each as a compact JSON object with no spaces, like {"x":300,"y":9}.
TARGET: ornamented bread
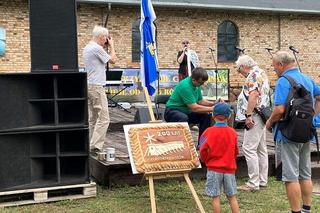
{"x":162,"y":147}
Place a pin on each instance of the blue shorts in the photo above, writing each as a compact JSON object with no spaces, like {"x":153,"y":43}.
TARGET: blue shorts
{"x":215,"y":181}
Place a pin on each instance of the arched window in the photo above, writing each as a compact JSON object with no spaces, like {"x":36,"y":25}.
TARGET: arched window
{"x":227,"y":40}
{"x":136,"y":41}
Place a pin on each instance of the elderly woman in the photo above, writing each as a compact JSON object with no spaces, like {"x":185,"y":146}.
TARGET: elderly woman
{"x":254,"y":94}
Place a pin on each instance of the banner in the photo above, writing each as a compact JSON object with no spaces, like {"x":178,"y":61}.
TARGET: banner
{"x":168,"y":80}
{"x":148,"y":58}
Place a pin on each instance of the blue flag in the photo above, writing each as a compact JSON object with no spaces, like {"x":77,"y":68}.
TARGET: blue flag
{"x":148,"y":62}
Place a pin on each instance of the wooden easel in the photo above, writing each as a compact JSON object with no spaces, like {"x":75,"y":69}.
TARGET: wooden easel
{"x":162,"y":175}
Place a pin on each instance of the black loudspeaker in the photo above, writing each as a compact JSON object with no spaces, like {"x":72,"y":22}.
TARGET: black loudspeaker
{"x":53,"y":35}
{"x":44,"y":138}
{"x":142,"y":115}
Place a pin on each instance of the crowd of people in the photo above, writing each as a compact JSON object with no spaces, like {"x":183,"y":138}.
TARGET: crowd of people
{"x":218,"y":143}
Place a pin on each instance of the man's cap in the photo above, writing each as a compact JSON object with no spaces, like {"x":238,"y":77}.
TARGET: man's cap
{"x":222,"y":108}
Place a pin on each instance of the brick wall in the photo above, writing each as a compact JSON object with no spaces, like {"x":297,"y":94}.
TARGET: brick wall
{"x":14,"y":17}
{"x":256,"y":31}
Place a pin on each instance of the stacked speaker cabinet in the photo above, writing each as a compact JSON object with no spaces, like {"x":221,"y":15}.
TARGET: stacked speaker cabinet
{"x":53,"y":31}
{"x":44,"y":130}
{"x":44,"y":123}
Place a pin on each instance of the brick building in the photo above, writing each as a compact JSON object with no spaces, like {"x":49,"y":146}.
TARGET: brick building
{"x":256,"y":25}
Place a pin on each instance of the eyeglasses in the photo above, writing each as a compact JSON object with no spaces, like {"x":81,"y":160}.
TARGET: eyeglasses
{"x":185,"y":42}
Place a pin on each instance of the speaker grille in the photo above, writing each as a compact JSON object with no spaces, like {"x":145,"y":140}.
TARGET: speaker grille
{"x":53,"y":35}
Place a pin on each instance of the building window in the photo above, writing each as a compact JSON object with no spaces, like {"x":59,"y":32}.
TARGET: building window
{"x":136,"y":41}
{"x":227,"y":40}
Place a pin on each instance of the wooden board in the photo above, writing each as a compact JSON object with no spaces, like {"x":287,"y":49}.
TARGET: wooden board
{"x":47,"y":194}
{"x":119,"y":171}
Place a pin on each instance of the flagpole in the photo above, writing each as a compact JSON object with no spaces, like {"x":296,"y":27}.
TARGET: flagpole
{"x":158,"y":70}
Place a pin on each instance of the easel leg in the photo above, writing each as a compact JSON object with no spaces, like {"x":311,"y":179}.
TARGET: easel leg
{"x":152,"y":195}
{"x":194,"y":193}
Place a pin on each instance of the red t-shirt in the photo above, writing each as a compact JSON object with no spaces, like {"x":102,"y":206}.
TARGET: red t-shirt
{"x":219,"y":149}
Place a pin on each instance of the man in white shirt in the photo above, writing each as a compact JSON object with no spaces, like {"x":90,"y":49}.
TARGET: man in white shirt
{"x":95,"y":58}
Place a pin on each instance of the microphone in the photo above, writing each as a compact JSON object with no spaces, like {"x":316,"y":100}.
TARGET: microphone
{"x":211,"y":49}
{"x":293,"y":49}
{"x":269,"y":49}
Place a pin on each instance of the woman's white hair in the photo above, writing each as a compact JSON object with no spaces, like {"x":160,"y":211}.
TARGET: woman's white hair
{"x":245,"y":60}
{"x":98,"y":31}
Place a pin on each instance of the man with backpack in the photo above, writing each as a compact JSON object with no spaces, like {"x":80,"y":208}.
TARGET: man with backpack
{"x":297,"y":100}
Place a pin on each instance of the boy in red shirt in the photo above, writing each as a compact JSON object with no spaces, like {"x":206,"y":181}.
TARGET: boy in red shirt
{"x":219,"y":150}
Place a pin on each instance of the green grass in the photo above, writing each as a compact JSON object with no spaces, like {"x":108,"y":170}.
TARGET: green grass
{"x":171,"y":196}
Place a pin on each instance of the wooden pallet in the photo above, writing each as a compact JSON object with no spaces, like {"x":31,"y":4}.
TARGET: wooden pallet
{"x":48,"y":194}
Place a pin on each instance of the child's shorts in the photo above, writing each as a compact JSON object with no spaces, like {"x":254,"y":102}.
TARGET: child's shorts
{"x":215,"y":181}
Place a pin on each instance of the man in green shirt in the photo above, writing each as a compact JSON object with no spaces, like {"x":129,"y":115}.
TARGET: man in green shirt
{"x":186,"y":103}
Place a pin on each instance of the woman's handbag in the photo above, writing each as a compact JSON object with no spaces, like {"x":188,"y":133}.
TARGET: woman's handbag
{"x":264,"y":113}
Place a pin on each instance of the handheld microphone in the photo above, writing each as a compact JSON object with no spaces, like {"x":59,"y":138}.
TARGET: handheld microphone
{"x":211,"y":49}
{"x":293,"y":49}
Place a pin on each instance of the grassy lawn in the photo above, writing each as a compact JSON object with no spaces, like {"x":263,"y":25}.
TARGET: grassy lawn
{"x":171,"y":196}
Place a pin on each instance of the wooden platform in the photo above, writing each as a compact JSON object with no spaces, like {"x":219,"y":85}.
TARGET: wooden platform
{"x":48,"y":194}
{"x":119,"y":171}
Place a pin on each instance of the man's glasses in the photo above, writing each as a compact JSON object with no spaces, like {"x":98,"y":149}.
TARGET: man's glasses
{"x":185,"y":42}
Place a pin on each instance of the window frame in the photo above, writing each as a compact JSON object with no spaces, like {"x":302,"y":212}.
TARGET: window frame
{"x":227,"y":42}
{"x":135,"y":42}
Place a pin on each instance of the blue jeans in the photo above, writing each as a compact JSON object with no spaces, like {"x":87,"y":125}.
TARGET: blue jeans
{"x":175,"y":115}
{"x":217,"y":180}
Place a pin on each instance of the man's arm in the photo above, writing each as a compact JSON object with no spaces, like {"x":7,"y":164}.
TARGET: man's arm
{"x":180,"y":58}
{"x":112,"y":53}
{"x":205,"y":102}
{"x":276,"y":115}
{"x":317,"y":105}
{"x":199,"y":108}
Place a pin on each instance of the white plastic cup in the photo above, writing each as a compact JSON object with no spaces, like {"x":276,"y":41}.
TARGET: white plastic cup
{"x":111,"y":154}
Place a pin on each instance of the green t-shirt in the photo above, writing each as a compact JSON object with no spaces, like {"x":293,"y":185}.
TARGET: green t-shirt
{"x":184,"y":93}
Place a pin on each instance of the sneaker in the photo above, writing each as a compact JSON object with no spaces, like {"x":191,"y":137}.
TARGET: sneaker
{"x":263,"y":186}
{"x":247,"y":188}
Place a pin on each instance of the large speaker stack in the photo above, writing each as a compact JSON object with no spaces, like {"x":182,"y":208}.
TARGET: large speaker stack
{"x":53,"y":37}
{"x":44,"y":124}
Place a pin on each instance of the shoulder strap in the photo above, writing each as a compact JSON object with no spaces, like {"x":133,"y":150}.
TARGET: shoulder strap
{"x":290,"y":79}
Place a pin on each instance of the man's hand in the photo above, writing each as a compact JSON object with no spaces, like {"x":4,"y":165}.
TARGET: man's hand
{"x":185,"y":49}
{"x":218,"y":101}
{"x":269,"y":125}
{"x":110,"y":42}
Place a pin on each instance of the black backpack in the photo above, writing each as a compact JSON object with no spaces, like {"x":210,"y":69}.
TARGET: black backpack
{"x":296,"y":124}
